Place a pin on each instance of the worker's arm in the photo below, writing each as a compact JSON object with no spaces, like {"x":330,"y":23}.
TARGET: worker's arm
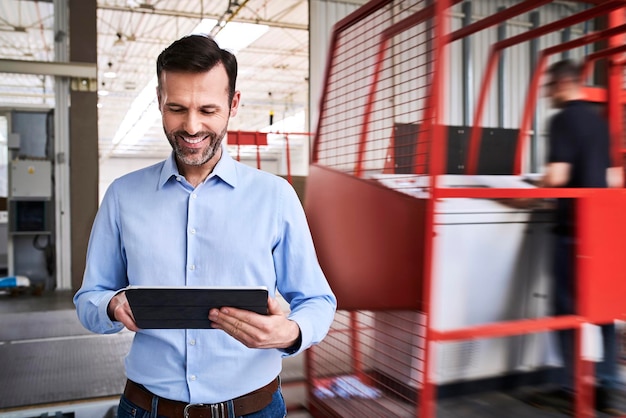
{"x":556,"y":175}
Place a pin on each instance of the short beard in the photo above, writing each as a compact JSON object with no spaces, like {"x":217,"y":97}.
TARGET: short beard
{"x":196,"y":157}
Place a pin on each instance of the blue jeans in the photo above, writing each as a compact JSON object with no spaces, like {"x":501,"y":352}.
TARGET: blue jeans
{"x":276,"y":409}
{"x":564,"y":275}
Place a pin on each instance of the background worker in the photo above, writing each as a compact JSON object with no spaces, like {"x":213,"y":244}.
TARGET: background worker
{"x":200,"y":218}
{"x":579,"y":156}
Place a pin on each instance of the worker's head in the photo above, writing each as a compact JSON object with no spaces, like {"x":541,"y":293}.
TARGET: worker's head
{"x":197,"y":98}
{"x":564,"y":82}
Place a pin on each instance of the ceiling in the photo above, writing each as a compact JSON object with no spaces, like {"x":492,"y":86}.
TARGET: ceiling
{"x":273,"y":70}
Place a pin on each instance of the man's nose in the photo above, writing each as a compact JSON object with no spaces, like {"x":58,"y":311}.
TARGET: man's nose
{"x":192,"y":123}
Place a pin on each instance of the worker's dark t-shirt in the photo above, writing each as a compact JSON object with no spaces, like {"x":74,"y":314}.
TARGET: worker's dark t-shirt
{"x":579,"y":135}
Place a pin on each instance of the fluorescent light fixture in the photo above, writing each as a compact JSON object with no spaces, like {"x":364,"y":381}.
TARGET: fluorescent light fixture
{"x":109,"y":74}
{"x":144,"y":112}
{"x":205,"y":26}
{"x":236,"y":36}
{"x":233,"y":36}
{"x":103,"y":92}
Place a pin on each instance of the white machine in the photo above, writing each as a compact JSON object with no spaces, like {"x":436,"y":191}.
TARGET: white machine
{"x":491,"y":263}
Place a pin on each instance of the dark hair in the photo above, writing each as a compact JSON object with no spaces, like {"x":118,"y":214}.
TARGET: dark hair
{"x":565,"y":69}
{"x":197,"y":54}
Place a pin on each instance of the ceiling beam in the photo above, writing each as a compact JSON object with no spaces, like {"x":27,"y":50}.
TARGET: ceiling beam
{"x":62,"y":69}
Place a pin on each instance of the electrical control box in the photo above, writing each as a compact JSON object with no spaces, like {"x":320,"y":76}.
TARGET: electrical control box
{"x":31,"y":179}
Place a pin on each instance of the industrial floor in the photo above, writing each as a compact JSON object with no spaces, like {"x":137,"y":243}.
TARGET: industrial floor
{"x":46,"y":358}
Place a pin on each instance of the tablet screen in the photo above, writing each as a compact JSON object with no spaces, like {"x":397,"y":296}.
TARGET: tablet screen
{"x":188,"y":307}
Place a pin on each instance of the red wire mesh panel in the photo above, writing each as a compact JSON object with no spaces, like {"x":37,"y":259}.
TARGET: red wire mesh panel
{"x":375,"y":121}
{"x":369,"y":365}
{"x":380,"y":132}
{"x":374,"y":124}
{"x":376,"y":102}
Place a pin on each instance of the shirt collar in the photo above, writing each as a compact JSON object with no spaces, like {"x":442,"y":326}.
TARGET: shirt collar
{"x":225,"y":169}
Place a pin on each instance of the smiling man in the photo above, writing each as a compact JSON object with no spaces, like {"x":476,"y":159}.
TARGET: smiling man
{"x":201,"y":218}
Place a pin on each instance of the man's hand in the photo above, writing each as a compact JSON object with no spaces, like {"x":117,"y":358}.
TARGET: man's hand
{"x":257,"y":331}
{"x":119,"y":310}
{"x":557,"y":175}
{"x":615,"y":177}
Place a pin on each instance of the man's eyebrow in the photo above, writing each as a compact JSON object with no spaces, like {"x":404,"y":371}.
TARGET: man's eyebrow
{"x":209,"y":106}
{"x":173,"y":104}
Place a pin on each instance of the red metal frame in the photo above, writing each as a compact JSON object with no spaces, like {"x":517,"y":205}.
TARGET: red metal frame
{"x":614,"y":89}
{"x":531,"y":100}
{"x":415,"y":19}
{"x":350,"y":20}
{"x":432,"y":128}
{"x":247,"y":137}
{"x":288,"y":151}
{"x":258,"y":139}
{"x":240,"y":138}
{"x":358,"y":169}
{"x":496,"y":49}
{"x":438,"y":149}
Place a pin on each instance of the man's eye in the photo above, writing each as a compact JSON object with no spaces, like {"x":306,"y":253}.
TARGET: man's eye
{"x":208,"y":111}
{"x":176,"y":109}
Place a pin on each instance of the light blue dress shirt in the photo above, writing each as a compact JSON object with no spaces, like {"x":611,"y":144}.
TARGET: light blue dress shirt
{"x":240,"y":227}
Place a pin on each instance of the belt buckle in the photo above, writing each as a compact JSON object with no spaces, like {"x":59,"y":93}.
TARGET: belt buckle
{"x":218,"y":410}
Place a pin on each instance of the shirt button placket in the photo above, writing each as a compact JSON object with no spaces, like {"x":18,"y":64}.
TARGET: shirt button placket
{"x":192,"y":231}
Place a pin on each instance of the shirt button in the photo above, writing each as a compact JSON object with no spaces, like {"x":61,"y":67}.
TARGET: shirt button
{"x":193,"y":231}
{"x":192,"y":377}
{"x":178,"y":178}
{"x":192,"y":267}
{"x":192,"y":342}
{"x":194,"y":195}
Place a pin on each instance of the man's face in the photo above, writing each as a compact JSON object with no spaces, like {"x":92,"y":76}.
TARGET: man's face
{"x":195,"y":113}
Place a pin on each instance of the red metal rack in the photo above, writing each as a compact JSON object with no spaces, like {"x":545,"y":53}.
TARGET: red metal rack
{"x":382,"y":112}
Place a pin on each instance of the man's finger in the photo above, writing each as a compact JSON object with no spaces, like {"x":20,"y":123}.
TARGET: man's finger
{"x":273,"y":307}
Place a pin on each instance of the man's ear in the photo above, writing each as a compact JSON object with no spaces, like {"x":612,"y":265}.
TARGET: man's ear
{"x":158,"y":94}
{"x":234,"y":105}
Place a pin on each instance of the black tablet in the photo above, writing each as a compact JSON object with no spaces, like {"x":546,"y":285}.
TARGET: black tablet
{"x":188,"y":307}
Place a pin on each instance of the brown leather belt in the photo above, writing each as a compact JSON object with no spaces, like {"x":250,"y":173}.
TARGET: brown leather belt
{"x":243,"y":405}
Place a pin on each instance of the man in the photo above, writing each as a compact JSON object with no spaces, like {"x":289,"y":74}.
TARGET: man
{"x":579,"y":156}
{"x":200,"y":218}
